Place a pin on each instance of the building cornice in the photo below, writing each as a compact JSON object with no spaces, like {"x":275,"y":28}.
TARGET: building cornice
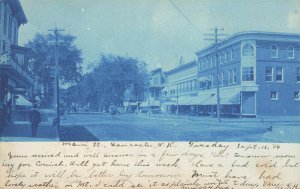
{"x":17,"y":11}
{"x":182,"y":67}
{"x":251,"y":35}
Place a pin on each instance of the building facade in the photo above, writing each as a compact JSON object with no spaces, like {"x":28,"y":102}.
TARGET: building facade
{"x":153,"y":96}
{"x":259,"y":75}
{"x":15,"y":79}
{"x":181,"y":88}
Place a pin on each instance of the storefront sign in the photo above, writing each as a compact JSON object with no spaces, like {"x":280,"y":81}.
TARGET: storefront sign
{"x":19,"y":90}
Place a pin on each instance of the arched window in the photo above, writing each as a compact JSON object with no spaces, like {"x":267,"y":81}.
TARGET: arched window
{"x":248,"y":50}
{"x":274,"y":51}
{"x":290,"y":52}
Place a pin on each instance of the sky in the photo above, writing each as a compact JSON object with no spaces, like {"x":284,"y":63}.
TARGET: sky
{"x":154,"y":31}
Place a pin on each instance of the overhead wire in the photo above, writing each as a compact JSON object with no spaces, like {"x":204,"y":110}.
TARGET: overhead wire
{"x":182,"y":14}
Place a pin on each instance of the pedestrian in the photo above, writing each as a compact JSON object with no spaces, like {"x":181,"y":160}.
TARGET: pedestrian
{"x":8,"y":110}
{"x":35,"y":119}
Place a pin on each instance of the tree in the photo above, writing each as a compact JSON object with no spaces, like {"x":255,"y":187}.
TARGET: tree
{"x":107,"y":83}
{"x":42,"y":61}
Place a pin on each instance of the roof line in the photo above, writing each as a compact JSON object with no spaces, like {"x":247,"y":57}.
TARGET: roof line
{"x":248,"y":32}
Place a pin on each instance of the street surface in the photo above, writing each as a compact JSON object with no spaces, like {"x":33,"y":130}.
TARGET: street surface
{"x":131,"y":127}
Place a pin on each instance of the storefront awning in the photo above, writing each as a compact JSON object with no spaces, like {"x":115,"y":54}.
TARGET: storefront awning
{"x":185,"y":100}
{"x":225,"y":99}
{"x":22,"y":101}
{"x":199,"y":100}
{"x":169,"y":103}
{"x":151,"y":103}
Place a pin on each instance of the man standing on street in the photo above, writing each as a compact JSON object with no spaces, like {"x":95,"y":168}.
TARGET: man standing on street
{"x":35,"y":119}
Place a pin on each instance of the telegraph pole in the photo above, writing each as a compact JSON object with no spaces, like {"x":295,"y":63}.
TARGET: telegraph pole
{"x":177,"y":107}
{"x":56,"y":78}
{"x":216,"y":41}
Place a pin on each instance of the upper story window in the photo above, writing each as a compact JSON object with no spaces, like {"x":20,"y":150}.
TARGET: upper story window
{"x":298,"y":75}
{"x":221,"y":78}
{"x":9,"y":26}
{"x":227,"y":56}
{"x":222,"y":57}
{"x":274,"y":95}
{"x":248,"y":74}
{"x":279,"y":74}
{"x":296,"y":95}
{"x":290,"y":52}
{"x":200,"y":65}
{"x":214,"y":60}
{"x":269,"y":74}
{"x":3,"y":46}
{"x":5,"y":20}
{"x":274,"y":51}
{"x":212,"y":79}
{"x":230,"y":77}
{"x":204,"y":62}
{"x":234,"y":76}
{"x":248,"y":50}
{"x":208,"y":62}
{"x":231,"y":55}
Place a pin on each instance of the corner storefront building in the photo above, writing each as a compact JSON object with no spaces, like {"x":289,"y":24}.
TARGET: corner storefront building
{"x":15,"y":79}
{"x":259,"y":75}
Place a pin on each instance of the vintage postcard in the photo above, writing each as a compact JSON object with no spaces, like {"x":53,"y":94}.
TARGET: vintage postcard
{"x":190,"y":94}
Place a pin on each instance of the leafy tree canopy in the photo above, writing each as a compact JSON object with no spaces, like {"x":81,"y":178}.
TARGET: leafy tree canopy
{"x":42,"y":57}
{"x":107,"y":83}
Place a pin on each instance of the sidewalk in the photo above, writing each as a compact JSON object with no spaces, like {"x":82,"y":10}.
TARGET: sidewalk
{"x":21,"y":132}
{"x":266,"y":120}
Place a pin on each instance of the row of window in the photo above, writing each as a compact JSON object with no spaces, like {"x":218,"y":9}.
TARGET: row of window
{"x":210,"y":79}
{"x":210,"y":61}
{"x":186,"y":86}
{"x":270,"y":75}
{"x":274,"y":95}
{"x":276,"y":74}
{"x":275,"y":50}
{"x":209,"y":82}
{"x":248,"y":49}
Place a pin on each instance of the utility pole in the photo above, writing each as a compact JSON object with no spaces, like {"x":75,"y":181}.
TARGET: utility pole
{"x":148,"y":99}
{"x":56,"y":78}
{"x":177,"y":107}
{"x":216,"y":41}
